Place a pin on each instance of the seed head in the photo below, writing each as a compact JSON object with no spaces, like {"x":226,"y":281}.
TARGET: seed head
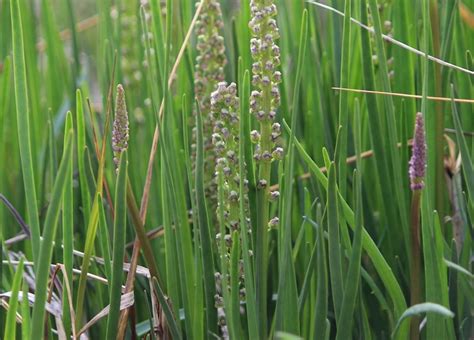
{"x":418,"y":159}
{"x":120,"y":126}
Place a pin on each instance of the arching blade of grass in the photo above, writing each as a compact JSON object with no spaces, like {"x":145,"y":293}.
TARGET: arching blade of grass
{"x":10,"y":325}
{"x":22,"y":114}
{"x":422,"y":308}
{"x":120,"y":223}
{"x":46,"y":248}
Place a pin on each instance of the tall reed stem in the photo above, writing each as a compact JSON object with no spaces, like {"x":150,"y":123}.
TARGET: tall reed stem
{"x":415,"y":269}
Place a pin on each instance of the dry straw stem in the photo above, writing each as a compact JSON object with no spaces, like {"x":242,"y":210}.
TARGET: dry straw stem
{"x":405,"y":95}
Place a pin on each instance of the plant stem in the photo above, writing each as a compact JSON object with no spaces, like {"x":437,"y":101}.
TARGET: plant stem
{"x":415,"y":268}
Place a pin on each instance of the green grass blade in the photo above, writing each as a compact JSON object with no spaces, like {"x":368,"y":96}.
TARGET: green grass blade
{"x":287,"y":316}
{"x":167,"y":311}
{"x":68,"y":229}
{"x":234,"y":317}
{"x":49,"y":232}
{"x":346,"y":58}
{"x":321,"y":307}
{"x":344,"y":326}
{"x":467,"y":165}
{"x":244,"y":157}
{"x":25,"y":314}
{"x":81,"y":146}
{"x":335,"y":263}
{"x":10,"y":324}
{"x":422,"y":308}
{"x":120,"y":223}
{"x":22,"y":114}
{"x":204,"y":229}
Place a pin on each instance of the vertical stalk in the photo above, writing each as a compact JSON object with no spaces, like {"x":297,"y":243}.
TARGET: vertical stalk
{"x":439,"y":120}
{"x":415,"y":268}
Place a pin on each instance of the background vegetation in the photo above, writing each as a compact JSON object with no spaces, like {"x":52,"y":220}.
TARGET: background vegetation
{"x":329,"y":257}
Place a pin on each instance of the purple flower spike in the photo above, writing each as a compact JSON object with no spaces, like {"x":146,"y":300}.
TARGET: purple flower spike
{"x":418,"y":159}
{"x":120,"y":128}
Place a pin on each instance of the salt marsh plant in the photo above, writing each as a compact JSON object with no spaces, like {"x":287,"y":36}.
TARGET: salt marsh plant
{"x":236,"y":169}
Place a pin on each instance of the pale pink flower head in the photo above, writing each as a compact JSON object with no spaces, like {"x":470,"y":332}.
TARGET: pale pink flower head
{"x":417,"y":162}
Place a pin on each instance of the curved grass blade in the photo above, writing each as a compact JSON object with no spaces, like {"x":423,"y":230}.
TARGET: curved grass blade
{"x":422,"y":308}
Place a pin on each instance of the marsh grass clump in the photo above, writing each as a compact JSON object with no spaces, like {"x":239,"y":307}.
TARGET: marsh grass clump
{"x":241,"y":228}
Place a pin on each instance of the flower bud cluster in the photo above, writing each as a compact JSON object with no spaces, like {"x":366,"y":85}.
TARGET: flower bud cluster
{"x":225,"y":107}
{"x":265,"y":98}
{"x":225,"y":138}
{"x":209,"y":71}
{"x":418,"y":159}
{"x":120,"y":126}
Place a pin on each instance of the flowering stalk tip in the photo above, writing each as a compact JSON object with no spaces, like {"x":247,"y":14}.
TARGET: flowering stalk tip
{"x":418,"y":159}
{"x":120,"y":127}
